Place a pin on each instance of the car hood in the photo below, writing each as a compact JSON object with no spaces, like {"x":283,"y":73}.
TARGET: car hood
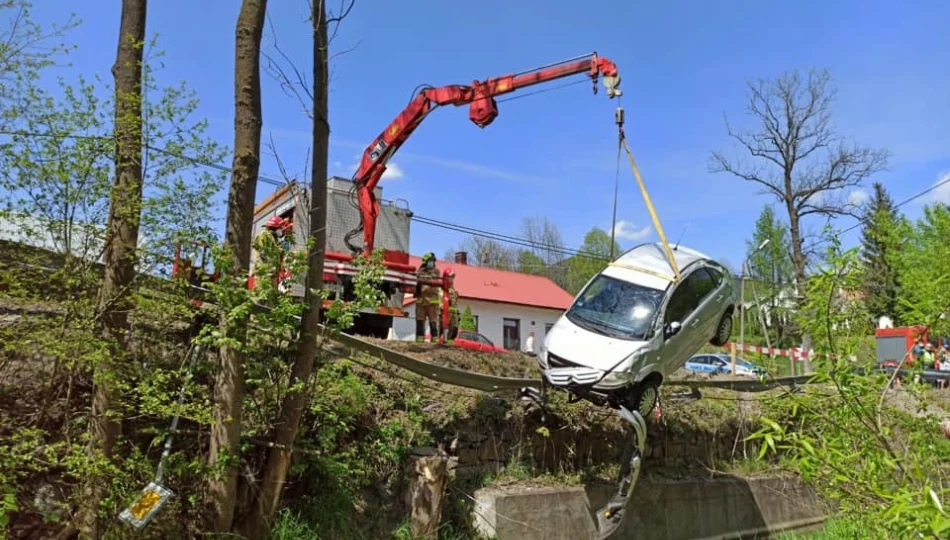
{"x":589,"y":349}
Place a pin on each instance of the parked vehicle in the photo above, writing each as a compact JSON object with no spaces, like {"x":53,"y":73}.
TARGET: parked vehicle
{"x":633,"y":325}
{"x":476,"y":342}
{"x":722,"y":363}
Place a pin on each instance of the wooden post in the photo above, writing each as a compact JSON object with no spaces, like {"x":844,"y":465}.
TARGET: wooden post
{"x":425,"y":494}
{"x":732,"y":350}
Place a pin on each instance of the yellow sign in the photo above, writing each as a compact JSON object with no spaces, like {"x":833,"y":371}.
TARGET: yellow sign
{"x":393,"y":129}
{"x":144,"y":505}
{"x":502,"y":86}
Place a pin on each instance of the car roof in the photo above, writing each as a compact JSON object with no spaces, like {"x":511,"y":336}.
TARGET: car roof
{"x":648,"y":266}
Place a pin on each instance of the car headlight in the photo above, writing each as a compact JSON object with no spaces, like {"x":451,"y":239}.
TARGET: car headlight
{"x":615,"y":379}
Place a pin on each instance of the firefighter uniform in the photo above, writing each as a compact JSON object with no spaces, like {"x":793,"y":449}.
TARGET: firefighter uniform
{"x":453,"y":313}
{"x":273,"y":239}
{"x":428,"y":298}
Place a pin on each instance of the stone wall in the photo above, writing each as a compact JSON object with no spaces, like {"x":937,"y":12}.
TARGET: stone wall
{"x":698,"y":433}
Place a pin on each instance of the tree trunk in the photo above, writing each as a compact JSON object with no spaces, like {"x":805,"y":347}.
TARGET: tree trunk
{"x":798,"y":258}
{"x":114,"y":301}
{"x":279,"y":456}
{"x":228,"y":391}
{"x":425,"y":495}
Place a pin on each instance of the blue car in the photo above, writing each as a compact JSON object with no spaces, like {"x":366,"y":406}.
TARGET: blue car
{"x":722,"y":363}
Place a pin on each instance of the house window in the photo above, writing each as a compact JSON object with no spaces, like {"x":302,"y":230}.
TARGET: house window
{"x":511,"y":333}
{"x":548,"y":327}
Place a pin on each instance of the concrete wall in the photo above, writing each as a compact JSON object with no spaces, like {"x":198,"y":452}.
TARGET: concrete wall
{"x":660,"y":510}
{"x":490,"y":318}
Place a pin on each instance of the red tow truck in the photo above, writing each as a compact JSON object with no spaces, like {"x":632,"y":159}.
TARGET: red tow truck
{"x":356,"y":206}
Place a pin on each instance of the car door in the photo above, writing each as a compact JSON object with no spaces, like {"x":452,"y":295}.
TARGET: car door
{"x":681,"y":308}
{"x":715,"y":304}
{"x":720,"y":365}
{"x":705,"y":313}
{"x":701,"y":363}
{"x":485,"y":344}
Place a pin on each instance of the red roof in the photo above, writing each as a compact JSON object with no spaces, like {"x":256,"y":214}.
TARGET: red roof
{"x":490,"y":285}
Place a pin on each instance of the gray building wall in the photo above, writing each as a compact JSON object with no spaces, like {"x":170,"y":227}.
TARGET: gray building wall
{"x":392,"y":225}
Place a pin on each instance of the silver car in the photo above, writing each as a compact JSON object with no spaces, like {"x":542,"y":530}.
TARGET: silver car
{"x":633,"y":324}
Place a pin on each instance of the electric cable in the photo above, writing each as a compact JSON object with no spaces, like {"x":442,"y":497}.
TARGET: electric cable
{"x":433,"y":222}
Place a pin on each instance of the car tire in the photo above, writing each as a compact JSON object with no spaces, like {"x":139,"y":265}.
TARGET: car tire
{"x":645,"y":396}
{"x":723,"y":330}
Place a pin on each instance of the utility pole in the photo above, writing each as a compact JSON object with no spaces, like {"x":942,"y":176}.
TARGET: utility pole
{"x":742,"y":272}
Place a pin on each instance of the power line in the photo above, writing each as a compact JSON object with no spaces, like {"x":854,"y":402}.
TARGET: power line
{"x":865,"y":221}
{"x":524,"y":242}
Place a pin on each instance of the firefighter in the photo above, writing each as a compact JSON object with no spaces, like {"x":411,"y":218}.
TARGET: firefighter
{"x":428,"y":298}
{"x":275,"y":238}
{"x":448,"y":277}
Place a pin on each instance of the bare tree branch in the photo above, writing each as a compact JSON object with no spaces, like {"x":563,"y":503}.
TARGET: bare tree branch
{"x":291,"y":80}
{"x":336,"y":19}
{"x":796,"y":156}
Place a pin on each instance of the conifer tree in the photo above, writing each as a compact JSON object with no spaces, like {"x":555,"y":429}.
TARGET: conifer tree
{"x":880,"y":243}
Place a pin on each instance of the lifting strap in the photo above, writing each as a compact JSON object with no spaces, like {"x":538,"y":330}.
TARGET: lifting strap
{"x":646,"y":196}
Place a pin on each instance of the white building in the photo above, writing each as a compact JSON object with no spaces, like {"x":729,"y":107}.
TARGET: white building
{"x":507,"y":306}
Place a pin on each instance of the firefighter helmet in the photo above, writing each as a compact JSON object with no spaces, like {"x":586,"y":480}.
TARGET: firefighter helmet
{"x":278,"y":223}
{"x":448,"y":273}
{"x":428,"y":257}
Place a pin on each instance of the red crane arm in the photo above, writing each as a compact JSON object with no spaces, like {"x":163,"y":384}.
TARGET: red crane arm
{"x":482,"y":111}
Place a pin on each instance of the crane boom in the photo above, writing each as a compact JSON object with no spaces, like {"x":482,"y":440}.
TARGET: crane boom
{"x":483,"y":109}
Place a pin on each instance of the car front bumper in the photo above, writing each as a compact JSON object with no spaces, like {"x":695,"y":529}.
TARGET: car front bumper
{"x":588,"y":377}
{"x":565,"y":374}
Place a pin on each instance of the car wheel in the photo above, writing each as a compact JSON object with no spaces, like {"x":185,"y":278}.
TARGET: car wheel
{"x":723,"y":331}
{"x":645,"y":397}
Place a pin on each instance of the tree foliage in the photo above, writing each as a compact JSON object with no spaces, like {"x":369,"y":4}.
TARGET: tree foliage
{"x":771,"y":273}
{"x":26,"y":49}
{"x":861,"y":445}
{"x":924,"y":280}
{"x":880,"y":249}
{"x":467,"y":321}
{"x":593,"y":256}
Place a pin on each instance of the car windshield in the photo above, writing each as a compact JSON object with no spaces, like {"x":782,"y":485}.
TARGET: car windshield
{"x":616,"y":308}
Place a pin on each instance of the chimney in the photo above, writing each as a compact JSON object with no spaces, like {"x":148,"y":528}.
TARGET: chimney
{"x":461,"y":257}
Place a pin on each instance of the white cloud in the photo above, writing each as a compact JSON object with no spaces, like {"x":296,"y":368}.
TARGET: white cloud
{"x":626,"y":230}
{"x":393,"y":172}
{"x":941,"y":193}
{"x":858,"y":197}
{"x":337,"y":164}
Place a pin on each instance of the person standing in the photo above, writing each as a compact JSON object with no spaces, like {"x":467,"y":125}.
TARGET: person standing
{"x":452,"y":328}
{"x":270,"y":247}
{"x":428,"y":298}
{"x":529,"y":344}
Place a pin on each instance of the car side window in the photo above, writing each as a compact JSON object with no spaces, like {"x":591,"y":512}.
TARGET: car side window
{"x":678,"y":306}
{"x":716,"y":276}
{"x":686,"y":296}
{"x":484,"y":340}
{"x":704,"y":284}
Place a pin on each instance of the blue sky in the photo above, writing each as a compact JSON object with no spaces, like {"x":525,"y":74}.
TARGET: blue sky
{"x":683,"y":64}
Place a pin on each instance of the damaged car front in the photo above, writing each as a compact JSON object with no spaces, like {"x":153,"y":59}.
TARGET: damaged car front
{"x":598,"y":347}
